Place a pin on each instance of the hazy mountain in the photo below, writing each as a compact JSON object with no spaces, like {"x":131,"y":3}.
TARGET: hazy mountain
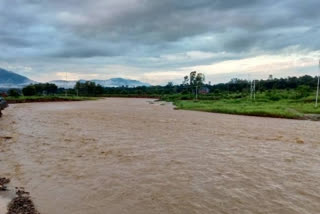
{"x":9,"y":79}
{"x":114,"y":82}
{"x":63,"y":83}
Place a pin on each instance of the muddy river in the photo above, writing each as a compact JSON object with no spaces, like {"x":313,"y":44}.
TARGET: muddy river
{"x":139,"y":156}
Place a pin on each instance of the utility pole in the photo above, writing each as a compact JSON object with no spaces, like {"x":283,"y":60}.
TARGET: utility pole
{"x":66,"y":91}
{"x":253,"y":90}
{"x":197,"y":92}
{"x":251,"y":95}
{"x":249,"y":86}
{"x":317,"y":96}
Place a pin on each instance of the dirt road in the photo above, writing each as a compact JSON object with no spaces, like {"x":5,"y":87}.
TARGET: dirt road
{"x":136,"y":156}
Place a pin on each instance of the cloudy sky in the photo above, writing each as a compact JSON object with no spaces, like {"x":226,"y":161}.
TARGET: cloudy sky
{"x":159,"y":40}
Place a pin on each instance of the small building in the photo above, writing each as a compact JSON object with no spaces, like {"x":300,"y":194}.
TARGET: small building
{"x":3,"y":94}
{"x":204,"y":90}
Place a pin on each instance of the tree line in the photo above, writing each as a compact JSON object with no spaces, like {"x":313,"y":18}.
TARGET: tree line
{"x":34,"y":89}
{"x":190,"y":84}
{"x":195,"y":81}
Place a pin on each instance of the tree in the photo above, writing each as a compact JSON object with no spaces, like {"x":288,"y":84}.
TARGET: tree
{"x":88,"y":88}
{"x":196,"y":81}
{"x":199,"y":81}
{"x":80,"y":88}
{"x":185,"y":85}
{"x":14,"y":93}
{"x":192,"y":78}
{"x":91,"y":86}
{"x":45,"y":88}
{"x":99,"y":90}
{"x":29,"y":90}
{"x":185,"y":81}
{"x":303,"y":91}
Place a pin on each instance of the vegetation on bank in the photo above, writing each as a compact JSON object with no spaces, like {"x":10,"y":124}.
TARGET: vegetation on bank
{"x":47,"y":92}
{"x":281,"y":109}
{"x":291,"y":97}
{"x":273,"y":103}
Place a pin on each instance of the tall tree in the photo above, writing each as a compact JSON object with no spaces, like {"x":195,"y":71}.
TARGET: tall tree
{"x":185,"y":81}
{"x":29,"y":90}
{"x":192,"y":78}
{"x":200,"y":78}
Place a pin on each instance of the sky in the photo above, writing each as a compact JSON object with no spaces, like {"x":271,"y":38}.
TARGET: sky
{"x":157,"y":41}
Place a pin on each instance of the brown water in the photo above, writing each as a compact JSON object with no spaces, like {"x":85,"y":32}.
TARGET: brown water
{"x":132,"y":156}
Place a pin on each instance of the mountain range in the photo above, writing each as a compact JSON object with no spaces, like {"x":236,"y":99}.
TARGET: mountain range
{"x":113,"y":82}
{"x":9,"y":79}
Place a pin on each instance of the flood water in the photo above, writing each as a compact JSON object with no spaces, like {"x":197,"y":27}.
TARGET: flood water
{"x":139,"y":156}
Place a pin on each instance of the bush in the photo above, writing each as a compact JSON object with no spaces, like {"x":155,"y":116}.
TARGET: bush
{"x":29,"y":90}
{"x":303,"y":91}
{"x":14,"y":93}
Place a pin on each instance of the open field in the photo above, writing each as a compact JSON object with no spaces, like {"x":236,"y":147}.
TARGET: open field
{"x":281,"y":109}
{"x":290,"y":104}
{"x":120,"y":155}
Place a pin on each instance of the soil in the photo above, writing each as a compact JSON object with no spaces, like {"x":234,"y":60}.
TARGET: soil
{"x":22,"y":204}
{"x":19,"y":204}
{"x":120,"y":155}
{"x":3,"y":183}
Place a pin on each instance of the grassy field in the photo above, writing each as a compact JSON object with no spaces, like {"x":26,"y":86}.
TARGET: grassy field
{"x":27,"y":99}
{"x":277,"y":104}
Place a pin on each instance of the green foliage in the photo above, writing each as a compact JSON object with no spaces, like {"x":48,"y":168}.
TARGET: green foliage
{"x":88,"y":89}
{"x":14,"y":93}
{"x":283,"y":109}
{"x":39,"y":89}
{"x":200,"y":78}
{"x":46,"y":88}
{"x":272,"y":103}
{"x":303,"y":91}
{"x":237,"y":85}
{"x":291,"y":97}
{"x":29,"y":90}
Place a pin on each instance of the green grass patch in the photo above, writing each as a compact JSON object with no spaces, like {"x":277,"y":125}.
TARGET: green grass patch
{"x":273,"y":103}
{"x":281,"y":109}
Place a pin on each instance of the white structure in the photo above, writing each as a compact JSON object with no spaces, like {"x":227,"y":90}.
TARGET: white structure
{"x":317,"y":95}
{"x":253,"y":90}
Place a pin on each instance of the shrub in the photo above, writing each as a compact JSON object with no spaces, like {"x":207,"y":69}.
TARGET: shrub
{"x":29,"y":90}
{"x":14,"y":93}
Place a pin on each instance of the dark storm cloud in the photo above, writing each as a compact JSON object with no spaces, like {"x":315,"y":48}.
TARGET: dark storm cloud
{"x":140,"y":28}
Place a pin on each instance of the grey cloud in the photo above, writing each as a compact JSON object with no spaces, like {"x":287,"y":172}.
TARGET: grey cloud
{"x":129,"y":31}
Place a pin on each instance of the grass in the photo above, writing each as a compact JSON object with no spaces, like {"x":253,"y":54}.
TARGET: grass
{"x":287,"y":106}
{"x":53,"y":98}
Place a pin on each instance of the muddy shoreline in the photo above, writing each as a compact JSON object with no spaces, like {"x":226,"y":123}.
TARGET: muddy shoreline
{"x":15,"y":201}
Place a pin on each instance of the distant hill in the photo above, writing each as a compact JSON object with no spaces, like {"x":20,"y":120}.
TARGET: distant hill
{"x":114,"y":82}
{"x":9,"y":79}
{"x":63,"y":83}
